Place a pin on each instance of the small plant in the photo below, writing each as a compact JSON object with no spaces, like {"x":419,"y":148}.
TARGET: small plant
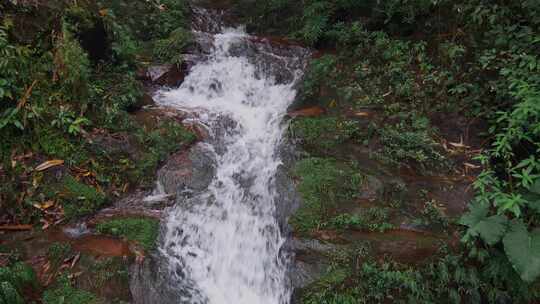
{"x":373,"y":219}
{"x":324,"y":133}
{"x":406,"y":145}
{"x":432,"y":214}
{"x":63,"y":292}
{"x":58,"y":252}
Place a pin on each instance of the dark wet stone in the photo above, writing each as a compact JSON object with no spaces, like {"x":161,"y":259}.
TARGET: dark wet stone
{"x":372,"y":188}
{"x":114,"y":144}
{"x":150,"y":282}
{"x":170,"y":75}
{"x":188,"y":170}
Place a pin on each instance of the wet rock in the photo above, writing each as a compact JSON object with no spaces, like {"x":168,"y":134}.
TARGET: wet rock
{"x":105,"y":277}
{"x":307,"y":112}
{"x":145,"y":101}
{"x":311,"y":261}
{"x":170,"y":75}
{"x":113,"y":144}
{"x":136,"y":204}
{"x":372,"y":188}
{"x":150,"y":282}
{"x":188,"y":170}
{"x":288,"y":200}
{"x":154,"y":281}
{"x":282,"y":61}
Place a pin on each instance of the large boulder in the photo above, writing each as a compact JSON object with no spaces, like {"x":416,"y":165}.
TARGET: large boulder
{"x":192,"y":170}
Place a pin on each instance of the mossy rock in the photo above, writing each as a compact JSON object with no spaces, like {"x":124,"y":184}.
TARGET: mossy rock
{"x":143,"y":231}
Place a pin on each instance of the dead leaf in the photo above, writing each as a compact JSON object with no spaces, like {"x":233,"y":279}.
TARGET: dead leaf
{"x":16,"y":227}
{"x":361,"y":114}
{"x":469,"y":165}
{"x":75,"y":259}
{"x":44,"y":205}
{"x":459,"y":145}
{"x":49,"y":164}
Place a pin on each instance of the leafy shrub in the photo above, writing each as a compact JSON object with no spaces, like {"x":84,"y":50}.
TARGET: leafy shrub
{"x":170,"y":49}
{"x":72,"y":66}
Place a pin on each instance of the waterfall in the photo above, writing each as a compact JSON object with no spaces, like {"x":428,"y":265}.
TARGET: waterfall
{"x":223,"y":244}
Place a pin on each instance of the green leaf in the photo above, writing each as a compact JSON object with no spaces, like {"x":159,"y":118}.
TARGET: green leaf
{"x":476,"y":213}
{"x":523,"y":250}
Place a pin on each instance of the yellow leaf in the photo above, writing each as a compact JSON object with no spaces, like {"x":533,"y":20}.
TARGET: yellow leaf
{"x":49,"y":164}
{"x":333,"y":104}
{"x":44,"y":205}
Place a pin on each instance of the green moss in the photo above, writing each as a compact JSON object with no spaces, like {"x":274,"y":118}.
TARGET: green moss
{"x":54,"y":143}
{"x":80,"y":199}
{"x":63,"y":293}
{"x":144,"y":231}
{"x":323,"y":184}
{"x":323,"y":134}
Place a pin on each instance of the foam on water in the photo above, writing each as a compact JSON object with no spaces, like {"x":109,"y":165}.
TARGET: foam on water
{"x":226,"y":241}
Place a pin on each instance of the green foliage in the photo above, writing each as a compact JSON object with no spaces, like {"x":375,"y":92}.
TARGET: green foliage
{"x":80,"y":199}
{"x":170,"y":49}
{"x":324,"y":183}
{"x":63,"y":292}
{"x":8,"y":294}
{"x":165,"y":139}
{"x":523,"y":250}
{"x":411,"y":144}
{"x":324,"y":133}
{"x":144,"y":231}
{"x":14,"y":280}
{"x":432,"y":215}
{"x":72,"y":66}
{"x":372,"y":219}
{"x":319,"y":72}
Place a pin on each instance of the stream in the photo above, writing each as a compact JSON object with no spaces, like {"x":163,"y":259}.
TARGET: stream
{"x":225,"y":244}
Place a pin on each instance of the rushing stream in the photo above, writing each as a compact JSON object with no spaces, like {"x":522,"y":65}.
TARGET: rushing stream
{"x":223,"y":245}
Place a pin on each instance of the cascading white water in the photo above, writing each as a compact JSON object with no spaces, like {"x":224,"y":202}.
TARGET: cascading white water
{"x":227,"y":240}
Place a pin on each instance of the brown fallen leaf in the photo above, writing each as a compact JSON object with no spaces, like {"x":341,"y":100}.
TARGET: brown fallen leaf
{"x":49,"y":164}
{"x":16,"y":227}
{"x":469,"y":165}
{"x":44,"y":205}
{"x":361,"y":114}
{"x":75,"y":260}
